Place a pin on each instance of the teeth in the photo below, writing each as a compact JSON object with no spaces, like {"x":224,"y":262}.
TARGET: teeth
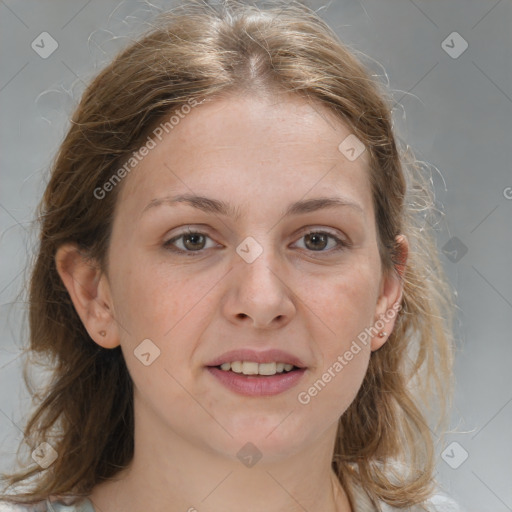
{"x":236,"y":366}
{"x":266,"y":368}
{"x":253,"y":368}
{"x":249,"y":368}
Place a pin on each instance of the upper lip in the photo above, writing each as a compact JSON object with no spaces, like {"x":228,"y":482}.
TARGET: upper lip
{"x":264,"y":356}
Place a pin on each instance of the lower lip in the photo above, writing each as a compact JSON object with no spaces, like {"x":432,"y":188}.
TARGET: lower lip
{"x":256,"y":385}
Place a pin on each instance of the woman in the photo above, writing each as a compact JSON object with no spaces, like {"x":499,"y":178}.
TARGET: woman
{"x":240,"y":302}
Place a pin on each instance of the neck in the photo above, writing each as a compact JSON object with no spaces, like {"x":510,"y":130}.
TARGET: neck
{"x":176,"y":475}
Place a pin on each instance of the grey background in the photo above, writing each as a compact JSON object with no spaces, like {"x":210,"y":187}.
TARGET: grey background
{"x":456,"y":113}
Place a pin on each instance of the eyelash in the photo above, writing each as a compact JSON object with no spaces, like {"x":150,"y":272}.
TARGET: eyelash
{"x":340,"y":244}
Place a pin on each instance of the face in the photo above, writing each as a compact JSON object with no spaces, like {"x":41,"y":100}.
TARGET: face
{"x":262,"y":271}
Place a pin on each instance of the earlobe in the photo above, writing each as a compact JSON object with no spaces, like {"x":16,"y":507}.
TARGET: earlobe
{"x":88,"y":289}
{"x":390,"y":298}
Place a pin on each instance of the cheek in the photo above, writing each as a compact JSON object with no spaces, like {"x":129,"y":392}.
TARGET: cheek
{"x":167,"y":306}
{"x":345,"y":302}
{"x":346,"y":306}
{"x":155,"y":299}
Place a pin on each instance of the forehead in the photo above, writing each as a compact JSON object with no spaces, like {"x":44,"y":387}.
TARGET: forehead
{"x":250,"y":149}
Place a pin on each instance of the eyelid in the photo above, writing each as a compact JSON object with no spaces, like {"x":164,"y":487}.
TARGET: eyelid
{"x":328,"y":231}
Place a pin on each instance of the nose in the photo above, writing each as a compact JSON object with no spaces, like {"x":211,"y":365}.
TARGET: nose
{"x":259,"y":294}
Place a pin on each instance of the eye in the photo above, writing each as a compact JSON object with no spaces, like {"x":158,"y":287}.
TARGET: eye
{"x":318,"y":241}
{"x":190,"y":241}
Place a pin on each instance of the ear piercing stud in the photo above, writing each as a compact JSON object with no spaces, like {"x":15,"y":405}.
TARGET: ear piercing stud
{"x":103,"y":333}
{"x":383,"y":334}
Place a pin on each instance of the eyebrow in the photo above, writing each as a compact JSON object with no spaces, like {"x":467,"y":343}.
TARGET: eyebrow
{"x":220,"y":207}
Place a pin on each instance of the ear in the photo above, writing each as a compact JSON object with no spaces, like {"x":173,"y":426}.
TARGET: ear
{"x":390,"y":297}
{"x":89,"y":290}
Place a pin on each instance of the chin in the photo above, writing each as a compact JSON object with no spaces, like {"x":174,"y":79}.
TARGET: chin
{"x":271,"y":437}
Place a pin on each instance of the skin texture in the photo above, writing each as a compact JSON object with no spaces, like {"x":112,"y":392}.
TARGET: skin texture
{"x":299,"y":295}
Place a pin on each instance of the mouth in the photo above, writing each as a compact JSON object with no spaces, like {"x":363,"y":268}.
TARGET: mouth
{"x":252,"y":373}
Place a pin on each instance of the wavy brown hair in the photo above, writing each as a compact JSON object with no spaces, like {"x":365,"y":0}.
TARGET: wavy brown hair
{"x":201,"y":51}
